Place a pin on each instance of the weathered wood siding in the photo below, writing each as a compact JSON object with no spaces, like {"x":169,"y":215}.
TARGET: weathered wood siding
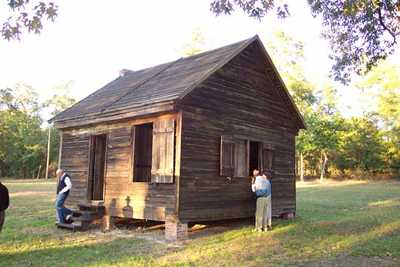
{"x":123,"y":197}
{"x":238,"y":100}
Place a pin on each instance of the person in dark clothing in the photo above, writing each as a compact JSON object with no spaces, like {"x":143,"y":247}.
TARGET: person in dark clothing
{"x":4,"y":203}
{"x":63,"y":188}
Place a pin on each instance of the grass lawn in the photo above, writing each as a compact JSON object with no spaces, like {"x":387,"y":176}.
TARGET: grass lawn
{"x":337,"y":224}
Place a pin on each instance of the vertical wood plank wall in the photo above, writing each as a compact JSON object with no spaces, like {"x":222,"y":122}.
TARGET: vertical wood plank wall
{"x":123,"y":197}
{"x":239,"y":100}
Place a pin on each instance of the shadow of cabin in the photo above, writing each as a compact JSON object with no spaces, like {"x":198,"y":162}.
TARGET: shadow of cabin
{"x":181,"y":139}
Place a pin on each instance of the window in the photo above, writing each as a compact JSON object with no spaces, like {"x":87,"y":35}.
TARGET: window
{"x":240,"y":157}
{"x":142,"y":152}
{"x":153,"y":151}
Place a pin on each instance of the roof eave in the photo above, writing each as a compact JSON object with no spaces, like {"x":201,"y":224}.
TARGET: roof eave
{"x":107,"y":117}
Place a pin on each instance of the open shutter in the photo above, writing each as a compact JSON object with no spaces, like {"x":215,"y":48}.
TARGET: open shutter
{"x":241,"y":158}
{"x":132,"y":156}
{"x":227,"y":156}
{"x":267,"y":158}
{"x":162,"y":167}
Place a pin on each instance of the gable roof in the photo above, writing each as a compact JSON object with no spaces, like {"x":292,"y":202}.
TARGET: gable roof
{"x":165,"y":83}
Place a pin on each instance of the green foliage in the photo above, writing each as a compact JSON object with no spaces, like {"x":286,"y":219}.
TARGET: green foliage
{"x":332,"y":143}
{"x":360,"y":146}
{"x":23,"y":141}
{"x":360,"y":32}
{"x":21,"y":138}
{"x":60,"y":99}
{"x":383,"y":84}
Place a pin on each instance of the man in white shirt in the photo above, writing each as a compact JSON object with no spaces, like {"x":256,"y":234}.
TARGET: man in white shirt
{"x":63,"y":188}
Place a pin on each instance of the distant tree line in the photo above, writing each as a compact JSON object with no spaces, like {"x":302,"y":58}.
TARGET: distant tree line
{"x":333,"y":144}
{"x":23,"y":133}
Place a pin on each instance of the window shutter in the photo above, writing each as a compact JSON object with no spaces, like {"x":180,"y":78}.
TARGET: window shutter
{"x":267,"y":158}
{"x":132,"y":156}
{"x":162,"y":170}
{"x":241,"y":158}
{"x":227,"y":156}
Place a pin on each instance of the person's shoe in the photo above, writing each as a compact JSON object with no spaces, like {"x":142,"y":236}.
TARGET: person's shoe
{"x":269,"y":227}
{"x":68,"y":218}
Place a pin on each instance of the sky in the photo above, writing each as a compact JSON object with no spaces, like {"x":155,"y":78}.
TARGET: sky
{"x":91,"y":41}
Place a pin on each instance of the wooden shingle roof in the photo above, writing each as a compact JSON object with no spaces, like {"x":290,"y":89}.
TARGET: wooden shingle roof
{"x":152,"y":87}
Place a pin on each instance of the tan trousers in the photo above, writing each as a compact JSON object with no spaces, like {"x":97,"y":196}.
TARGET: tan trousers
{"x":263,"y":213}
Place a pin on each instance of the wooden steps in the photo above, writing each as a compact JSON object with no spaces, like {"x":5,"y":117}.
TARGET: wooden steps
{"x":82,"y":218}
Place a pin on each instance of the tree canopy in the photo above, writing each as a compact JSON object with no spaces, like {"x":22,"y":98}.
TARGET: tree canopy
{"x":360,"y":32}
{"x":26,"y":15}
{"x":23,"y":137}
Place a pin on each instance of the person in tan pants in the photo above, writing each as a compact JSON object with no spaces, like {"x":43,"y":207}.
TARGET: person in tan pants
{"x":261,"y":186}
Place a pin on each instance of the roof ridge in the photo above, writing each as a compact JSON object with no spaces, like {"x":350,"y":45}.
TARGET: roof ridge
{"x":140,"y":84}
{"x":221,"y":47}
{"x":245,"y":43}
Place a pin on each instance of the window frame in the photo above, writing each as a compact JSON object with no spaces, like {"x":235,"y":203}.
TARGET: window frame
{"x":134,"y":153}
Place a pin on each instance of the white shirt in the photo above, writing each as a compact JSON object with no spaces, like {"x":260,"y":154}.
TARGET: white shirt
{"x":68,"y":184}
{"x":259,"y":184}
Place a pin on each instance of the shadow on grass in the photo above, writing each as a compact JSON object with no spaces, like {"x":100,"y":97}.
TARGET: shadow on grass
{"x":108,"y":252}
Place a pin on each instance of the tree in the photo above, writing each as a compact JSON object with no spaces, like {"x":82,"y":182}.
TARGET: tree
{"x":22,"y":141}
{"x":60,"y":99}
{"x":360,"y":146}
{"x":383,"y":84}
{"x":360,"y":32}
{"x":26,"y":15}
{"x":195,"y":45}
{"x":57,"y":103}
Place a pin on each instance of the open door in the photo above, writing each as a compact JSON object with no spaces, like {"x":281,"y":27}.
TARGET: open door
{"x":96,"y":167}
{"x":254,"y":157}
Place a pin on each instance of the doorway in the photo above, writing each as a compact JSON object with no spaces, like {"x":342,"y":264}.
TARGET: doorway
{"x":97,"y":166}
{"x":253,"y":157}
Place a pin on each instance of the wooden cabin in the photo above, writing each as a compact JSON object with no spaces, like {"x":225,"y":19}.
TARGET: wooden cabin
{"x":177,"y":142}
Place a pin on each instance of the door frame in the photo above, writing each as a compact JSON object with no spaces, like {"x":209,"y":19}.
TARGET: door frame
{"x":89,"y":186}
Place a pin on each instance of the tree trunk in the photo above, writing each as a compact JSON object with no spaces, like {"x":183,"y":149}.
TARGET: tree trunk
{"x":323,"y":165}
{"x":301,"y":167}
{"x":38,"y":173}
